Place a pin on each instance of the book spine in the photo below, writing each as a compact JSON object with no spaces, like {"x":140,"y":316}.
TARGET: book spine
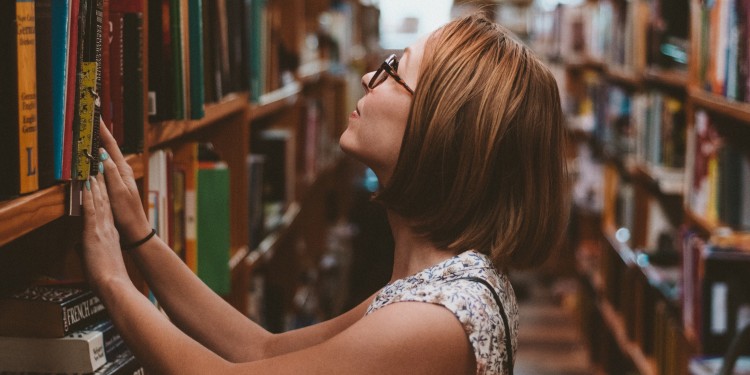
{"x":116,"y":78}
{"x":97,"y":33}
{"x":60,"y":44}
{"x":27,"y":97}
{"x":197,"y":93}
{"x":81,"y":312}
{"x":71,"y":87}
{"x":133,"y":81}
{"x":45,"y":129}
{"x":175,"y":28}
{"x":213,"y":225}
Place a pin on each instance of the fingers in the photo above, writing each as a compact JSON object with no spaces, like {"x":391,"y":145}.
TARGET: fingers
{"x":110,"y":144}
{"x":111,"y":171}
{"x":101,"y":199}
{"x":89,"y":209}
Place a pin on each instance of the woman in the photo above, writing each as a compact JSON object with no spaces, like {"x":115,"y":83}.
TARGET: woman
{"x":465,"y":134}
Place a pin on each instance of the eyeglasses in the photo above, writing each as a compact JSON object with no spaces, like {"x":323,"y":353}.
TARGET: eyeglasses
{"x":390,"y":66}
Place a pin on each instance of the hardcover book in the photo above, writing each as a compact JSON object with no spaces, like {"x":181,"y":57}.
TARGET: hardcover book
{"x":18,"y":100}
{"x":82,"y":351}
{"x":49,"y":311}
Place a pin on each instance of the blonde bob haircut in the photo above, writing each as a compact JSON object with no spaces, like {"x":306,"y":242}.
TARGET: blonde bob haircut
{"x":482,"y":161}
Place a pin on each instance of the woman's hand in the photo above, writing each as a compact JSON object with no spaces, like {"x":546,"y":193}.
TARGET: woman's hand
{"x":102,"y":256}
{"x":127,"y":208}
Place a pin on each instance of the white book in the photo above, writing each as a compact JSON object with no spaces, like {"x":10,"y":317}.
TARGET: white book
{"x":79,"y":352}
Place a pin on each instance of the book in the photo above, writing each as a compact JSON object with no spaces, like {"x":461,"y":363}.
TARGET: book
{"x":49,"y":311}
{"x":89,"y":111}
{"x":45,"y":132}
{"x":185,"y":163}
{"x":71,"y":88}
{"x":133,"y":117}
{"x":724,"y":299}
{"x":123,"y":364}
{"x":82,"y":351}
{"x":18,"y":100}
{"x":177,"y":68}
{"x":61,"y":13}
{"x":161,"y":84}
{"x":116,"y":78}
{"x":197,"y":91}
{"x":214,"y":225}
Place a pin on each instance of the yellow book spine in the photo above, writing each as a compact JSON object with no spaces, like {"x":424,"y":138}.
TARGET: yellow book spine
{"x":27,"y":119}
{"x":87,"y":101}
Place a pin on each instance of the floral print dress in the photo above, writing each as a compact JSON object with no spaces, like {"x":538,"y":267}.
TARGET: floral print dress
{"x":471,"y":302}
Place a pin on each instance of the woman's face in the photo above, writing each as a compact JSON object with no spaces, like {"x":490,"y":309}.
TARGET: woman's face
{"x":376,"y":127}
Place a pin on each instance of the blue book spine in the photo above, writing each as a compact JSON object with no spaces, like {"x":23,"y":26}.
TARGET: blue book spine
{"x":60,"y":32}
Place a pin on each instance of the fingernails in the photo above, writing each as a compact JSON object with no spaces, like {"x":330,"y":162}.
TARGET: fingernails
{"x":103,"y":155}
{"x":88,"y":185}
{"x":101,"y":167}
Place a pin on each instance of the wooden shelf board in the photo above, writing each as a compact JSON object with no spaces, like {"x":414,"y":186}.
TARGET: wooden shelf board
{"x":275,"y":101}
{"x":667,"y":77}
{"x":719,"y":104}
{"x":623,"y":76}
{"x":162,"y":132}
{"x":583,"y":62}
{"x":644,"y":364}
{"x":701,"y":222}
{"x":24,"y":214}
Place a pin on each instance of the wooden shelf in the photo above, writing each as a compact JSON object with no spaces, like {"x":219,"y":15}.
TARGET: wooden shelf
{"x":162,"y":132}
{"x":275,"y":101}
{"x":624,"y":77}
{"x":22,"y":215}
{"x":644,"y":364}
{"x":721,"y":105}
{"x":672,"y":78}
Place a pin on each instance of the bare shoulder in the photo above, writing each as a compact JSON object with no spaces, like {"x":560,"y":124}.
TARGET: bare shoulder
{"x":404,"y":337}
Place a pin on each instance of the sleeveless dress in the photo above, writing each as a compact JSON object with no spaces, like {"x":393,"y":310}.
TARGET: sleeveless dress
{"x":471,"y":302}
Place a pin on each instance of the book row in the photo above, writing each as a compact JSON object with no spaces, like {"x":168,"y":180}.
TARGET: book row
{"x":72,"y":65}
{"x":724,"y":48}
{"x":719,"y":189}
{"x":626,"y":35}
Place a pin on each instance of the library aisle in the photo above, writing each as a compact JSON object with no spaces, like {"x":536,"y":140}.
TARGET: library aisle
{"x":550,"y":340}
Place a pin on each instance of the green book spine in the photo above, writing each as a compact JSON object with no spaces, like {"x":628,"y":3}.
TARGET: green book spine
{"x":213,"y":226}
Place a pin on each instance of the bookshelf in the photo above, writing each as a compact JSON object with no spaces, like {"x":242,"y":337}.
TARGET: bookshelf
{"x":294,"y":79}
{"x":611,"y":86}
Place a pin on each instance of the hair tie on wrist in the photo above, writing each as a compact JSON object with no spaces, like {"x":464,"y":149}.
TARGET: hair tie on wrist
{"x":138,"y":243}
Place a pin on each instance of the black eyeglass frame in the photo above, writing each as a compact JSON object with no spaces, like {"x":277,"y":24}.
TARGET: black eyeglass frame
{"x":390,"y":66}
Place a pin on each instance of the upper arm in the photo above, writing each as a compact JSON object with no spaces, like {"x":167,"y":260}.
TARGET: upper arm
{"x":406,"y":337}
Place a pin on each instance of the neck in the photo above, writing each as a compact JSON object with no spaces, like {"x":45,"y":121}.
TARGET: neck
{"x":412,"y":252}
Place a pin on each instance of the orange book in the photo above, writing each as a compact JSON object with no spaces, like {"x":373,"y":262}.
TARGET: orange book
{"x":185,"y":163}
{"x":18,"y":137}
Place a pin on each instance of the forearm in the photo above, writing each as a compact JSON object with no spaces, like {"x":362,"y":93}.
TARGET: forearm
{"x":195,"y":308}
{"x":158,"y":345}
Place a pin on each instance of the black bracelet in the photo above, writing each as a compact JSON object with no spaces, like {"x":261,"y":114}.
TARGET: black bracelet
{"x":138,"y":243}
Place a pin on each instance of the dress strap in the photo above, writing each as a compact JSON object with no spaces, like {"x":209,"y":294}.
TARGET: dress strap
{"x":508,"y":343}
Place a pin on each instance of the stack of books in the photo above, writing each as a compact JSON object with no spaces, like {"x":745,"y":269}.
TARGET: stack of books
{"x":60,"y":329}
